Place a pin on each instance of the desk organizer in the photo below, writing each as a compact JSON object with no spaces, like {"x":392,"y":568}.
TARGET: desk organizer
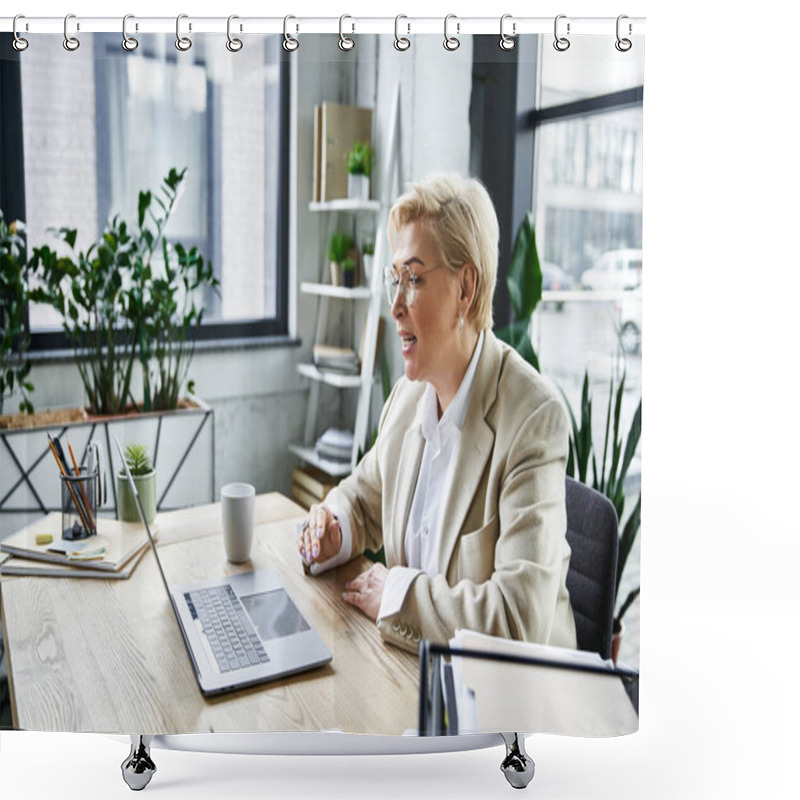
{"x":247,"y":128}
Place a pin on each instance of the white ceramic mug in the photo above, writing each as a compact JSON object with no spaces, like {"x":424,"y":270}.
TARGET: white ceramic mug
{"x":238,"y":509}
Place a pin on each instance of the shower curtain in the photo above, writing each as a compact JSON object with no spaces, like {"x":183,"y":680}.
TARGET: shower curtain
{"x":257,"y":140}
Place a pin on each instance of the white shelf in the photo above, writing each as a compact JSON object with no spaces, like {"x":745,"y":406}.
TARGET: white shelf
{"x":345,"y":204}
{"x":332,"y":378}
{"x":342,"y":292}
{"x":338,"y":469}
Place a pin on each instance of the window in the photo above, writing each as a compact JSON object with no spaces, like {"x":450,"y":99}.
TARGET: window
{"x":100,"y":124}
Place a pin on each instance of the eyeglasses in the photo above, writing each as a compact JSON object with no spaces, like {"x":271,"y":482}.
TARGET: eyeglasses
{"x":407,"y":282}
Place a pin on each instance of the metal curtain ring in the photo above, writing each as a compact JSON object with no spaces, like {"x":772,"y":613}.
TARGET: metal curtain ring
{"x":290,"y":44}
{"x":233,"y":44}
{"x":561,"y":43}
{"x":451,"y":42}
{"x":128,"y":42}
{"x":400,"y":42}
{"x":623,"y":45}
{"x":345,"y":43}
{"x":506,"y":42}
{"x":19,"y":44}
{"x":183,"y":43}
{"x":70,"y":42}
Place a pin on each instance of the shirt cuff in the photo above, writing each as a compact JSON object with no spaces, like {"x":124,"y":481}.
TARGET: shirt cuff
{"x":345,"y":550}
{"x":395,"y":590}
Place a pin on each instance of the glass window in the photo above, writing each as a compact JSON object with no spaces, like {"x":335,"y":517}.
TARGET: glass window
{"x":101,"y":124}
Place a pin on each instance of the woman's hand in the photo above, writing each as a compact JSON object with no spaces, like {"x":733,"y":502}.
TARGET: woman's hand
{"x":366,"y":591}
{"x":320,"y":537}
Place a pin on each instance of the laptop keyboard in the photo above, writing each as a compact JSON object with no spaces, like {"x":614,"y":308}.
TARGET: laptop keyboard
{"x":230,"y":633}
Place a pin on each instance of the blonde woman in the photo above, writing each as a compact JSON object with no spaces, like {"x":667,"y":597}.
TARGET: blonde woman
{"x":465,"y":483}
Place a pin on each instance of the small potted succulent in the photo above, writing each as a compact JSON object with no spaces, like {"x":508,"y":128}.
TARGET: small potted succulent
{"x":144,"y":476}
{"x":359,"y":169}
{"x":339,"y":249}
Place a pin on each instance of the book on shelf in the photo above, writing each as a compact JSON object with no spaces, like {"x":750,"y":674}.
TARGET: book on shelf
{"x":337,"y":359}
{"x":335,"y":444}
{"x":341,"y":127}
{"x":314,"y":481}
{"x":114,"y":545}
{"x":303,"y":497}
{"x":47,"y":569}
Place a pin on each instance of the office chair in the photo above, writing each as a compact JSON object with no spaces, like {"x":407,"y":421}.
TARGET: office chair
{"x":591,"y":578}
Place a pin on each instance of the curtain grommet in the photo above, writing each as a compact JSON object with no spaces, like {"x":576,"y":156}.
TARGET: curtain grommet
{"x":451,"y":43}
{"x":290,"y":44}
{"x":233,"y":44}
{"x":182,"y":43}
{"x":18,"y":43}
{"x":401,"y":43}
{"x":623,"y":44}
{"x":71,"y":43}
{"x":128,"y":42}
{"x":345,"y":42}
{"x":561,"y":43}
{"x":507,"y":42}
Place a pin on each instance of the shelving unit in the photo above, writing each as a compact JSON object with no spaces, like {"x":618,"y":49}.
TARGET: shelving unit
{"x":371,"y":295}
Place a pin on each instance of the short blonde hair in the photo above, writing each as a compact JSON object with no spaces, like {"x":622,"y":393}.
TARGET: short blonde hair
{"x":460,"y":215}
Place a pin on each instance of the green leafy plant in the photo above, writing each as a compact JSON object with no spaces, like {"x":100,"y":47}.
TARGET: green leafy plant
{"x":339,"y":247}
{"x":360,"y":159}
{"x":117,"y":309}
{"x":525,"y":290}
{"x":348,"y":265}
{"x":91,"y":291}
{"x":609,"y":476}
{"x":138,"y":460}
{"x":368,"y":248}
{"x":14,"y":338}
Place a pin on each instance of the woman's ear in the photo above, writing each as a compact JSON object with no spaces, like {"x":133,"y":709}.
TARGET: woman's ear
{"x":468,"y":285}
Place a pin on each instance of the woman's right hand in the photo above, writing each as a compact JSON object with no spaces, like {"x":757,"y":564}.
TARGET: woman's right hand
{"x":320,"y":538}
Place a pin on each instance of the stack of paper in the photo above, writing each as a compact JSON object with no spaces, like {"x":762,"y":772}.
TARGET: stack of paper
{"x":335,"y":444}
{"x":493,"y":695}
{"x":112,"y":554}
{"x":337,"y":359}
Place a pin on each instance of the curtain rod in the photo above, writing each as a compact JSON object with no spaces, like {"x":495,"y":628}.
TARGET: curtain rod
{"x":294,"y":25}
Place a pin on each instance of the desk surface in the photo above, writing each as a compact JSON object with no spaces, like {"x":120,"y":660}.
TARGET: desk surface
{"x":89,"y":655}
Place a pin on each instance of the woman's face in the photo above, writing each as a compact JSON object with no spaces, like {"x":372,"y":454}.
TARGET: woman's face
{"x":428,"y":328}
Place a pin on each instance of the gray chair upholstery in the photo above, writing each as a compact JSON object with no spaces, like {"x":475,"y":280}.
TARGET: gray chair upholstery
{"x":591,"y":578}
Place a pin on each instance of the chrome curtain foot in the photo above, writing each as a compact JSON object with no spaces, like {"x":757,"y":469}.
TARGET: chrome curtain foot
{"x":138,"y":768}
{"x":518,"y":766}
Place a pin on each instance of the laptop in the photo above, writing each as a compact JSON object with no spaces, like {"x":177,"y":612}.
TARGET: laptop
{"x":241,"y":630}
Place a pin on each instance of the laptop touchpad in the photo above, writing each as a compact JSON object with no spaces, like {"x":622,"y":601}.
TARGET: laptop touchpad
{"x":274,"y":614}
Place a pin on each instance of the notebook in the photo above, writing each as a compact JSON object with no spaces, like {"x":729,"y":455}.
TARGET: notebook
{"x":242,"y":630}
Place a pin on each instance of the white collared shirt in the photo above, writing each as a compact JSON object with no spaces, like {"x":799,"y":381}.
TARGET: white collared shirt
{"x":423,"y":530}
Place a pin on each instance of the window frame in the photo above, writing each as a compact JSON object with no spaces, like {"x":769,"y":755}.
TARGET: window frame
{"x":225,"y":333}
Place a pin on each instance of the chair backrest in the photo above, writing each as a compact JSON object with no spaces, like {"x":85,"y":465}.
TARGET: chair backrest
{"x":591,"y":578}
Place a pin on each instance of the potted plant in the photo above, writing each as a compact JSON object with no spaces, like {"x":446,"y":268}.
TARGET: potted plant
{"x":349,"y":272}
{"x":359,"y":170}
{"x":339,"y":249}
{"x":367,"y":257}
{"x":117,"y":308}
{"x":144,"y":476}
{"x":14,"y":338}
{"x":609,"y":477}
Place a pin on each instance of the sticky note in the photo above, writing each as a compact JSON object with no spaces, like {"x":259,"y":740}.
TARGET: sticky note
{"x":44,"y":538}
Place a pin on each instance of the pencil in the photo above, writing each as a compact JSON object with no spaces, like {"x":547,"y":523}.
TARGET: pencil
{"x":69,"y":485}
{"x":83,"y":490}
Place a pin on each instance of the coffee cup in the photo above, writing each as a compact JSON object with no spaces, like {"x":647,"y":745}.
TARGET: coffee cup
{"x":238,"y":508}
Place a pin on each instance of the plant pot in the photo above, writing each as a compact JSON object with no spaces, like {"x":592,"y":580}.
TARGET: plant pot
{"x":349,"y":278}
{"x":358,"y":187}
{"x":126,"y":506}
{"x":336,"y":274}
{"x":616,"y":639}
{"x":367,"y":261}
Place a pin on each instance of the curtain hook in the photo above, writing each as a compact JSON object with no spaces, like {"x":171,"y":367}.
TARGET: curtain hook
{"x":234,"y":45}
{"x":345,"y":43}
{"x":451,"y":42}
{"x":70,"y":42}
{"x":128,"y":42}
{"x":561,"y":43}
{"x":507,"y":42}
{"x":19,"y":44}
{"x":183,"y":43}
{"x":400,"y":42}
{"x":290,"y":44}
{"x":623,"y":45}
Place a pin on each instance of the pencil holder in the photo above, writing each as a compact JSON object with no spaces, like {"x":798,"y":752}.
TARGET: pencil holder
{"x":79,"y":504}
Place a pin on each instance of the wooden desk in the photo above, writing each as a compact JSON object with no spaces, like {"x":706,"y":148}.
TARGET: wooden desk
{"x":108,"y":656}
